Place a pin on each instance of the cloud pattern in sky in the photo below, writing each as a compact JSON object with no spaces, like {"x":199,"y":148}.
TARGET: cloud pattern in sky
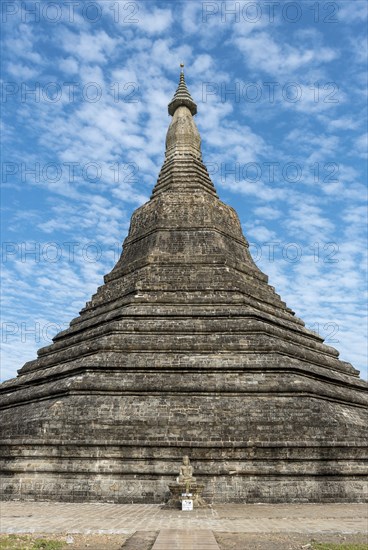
{"x":281,"y":94}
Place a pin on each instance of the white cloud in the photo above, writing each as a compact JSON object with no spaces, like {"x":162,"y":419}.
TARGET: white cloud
{"x":202,"y":63}
{"x":89,"y":48}
{"x":69,"y":65}
{"x":308,"y":220}
{"x":359,"y":47}
{"x":345,"y":123}
{"x":154,"y":21}
{"x":267,"y":212}
{"x":191,"y":17}
{"x":352,"y":11}
{"x":356,"y":215}
{"x":260,"y":234}
{"x":22,"y":71}
{"x":261,"y":51}
{"x":361,"y":145}
{"x":320,"y":147}
{"x":23,"y":43}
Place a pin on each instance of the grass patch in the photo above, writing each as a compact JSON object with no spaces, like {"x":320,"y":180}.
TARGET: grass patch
{"x":335,"y":546}
{"x":27,"y":542}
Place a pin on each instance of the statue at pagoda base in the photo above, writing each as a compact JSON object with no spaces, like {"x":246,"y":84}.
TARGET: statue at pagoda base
{"x":186,"y":487}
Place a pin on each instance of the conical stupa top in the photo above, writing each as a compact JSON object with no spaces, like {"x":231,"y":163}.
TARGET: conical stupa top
{"x":183,"y":169}
{"x":182,"y":96}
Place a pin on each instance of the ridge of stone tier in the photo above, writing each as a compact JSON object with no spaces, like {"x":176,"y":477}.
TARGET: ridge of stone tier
{"x":117,"y":340}
{"x":279,"y":381}
{"x":205,"y":229}
{"x":191,"y":226}
{"x":165,"y":245}
{"x":143,"y":251}
{"x":206,"y":364}
{"x":145,"y":310}
{"x":186,"y":210}
{"x":119,"y":421}
{"x":265,"y":457}
{"x":149,"y":303}
{"x":254,"y":336}
{"x":279,"y":360}
{"x":165,"y":312}
{"x":174,"y":245}
{"x":174,"y":276}
{"x":316,"y":458}
{"x":109,"y":361}
{"x":182,"y":173}
{"x":322,"y":460}
{"x":188,"y":326}
{"x":238,"y":449}
{"x":135,"y":257}
{"x":122,"y":360}
{"x":186,"y":303}
{"x":142,"y":279}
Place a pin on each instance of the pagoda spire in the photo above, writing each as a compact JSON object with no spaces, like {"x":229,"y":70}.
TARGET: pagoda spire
{"x":182,"y":96}
{"x":183,"y":168}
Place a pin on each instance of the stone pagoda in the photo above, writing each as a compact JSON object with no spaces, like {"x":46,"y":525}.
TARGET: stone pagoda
{"x":185,"y":350}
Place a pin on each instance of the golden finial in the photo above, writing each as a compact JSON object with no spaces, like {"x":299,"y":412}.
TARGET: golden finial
{"x":182,"y":67}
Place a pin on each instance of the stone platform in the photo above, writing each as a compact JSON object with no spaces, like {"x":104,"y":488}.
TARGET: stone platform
{"x":55,"y":517}
{"x":185,"y":539}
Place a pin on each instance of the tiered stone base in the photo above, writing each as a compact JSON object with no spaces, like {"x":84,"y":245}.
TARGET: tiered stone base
{"x":239,"y":489}
{"x":127,"y":474}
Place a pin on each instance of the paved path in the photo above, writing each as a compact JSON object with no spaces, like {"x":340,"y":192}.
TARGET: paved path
{"x":53,"y":517}
{"x":180,"y":539}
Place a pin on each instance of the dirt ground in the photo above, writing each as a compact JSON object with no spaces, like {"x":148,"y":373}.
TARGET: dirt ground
{"x":282,"y":541}
{"x":143,"y":540}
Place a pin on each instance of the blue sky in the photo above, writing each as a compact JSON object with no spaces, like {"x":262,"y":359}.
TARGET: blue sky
{"x":281,"y":95}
